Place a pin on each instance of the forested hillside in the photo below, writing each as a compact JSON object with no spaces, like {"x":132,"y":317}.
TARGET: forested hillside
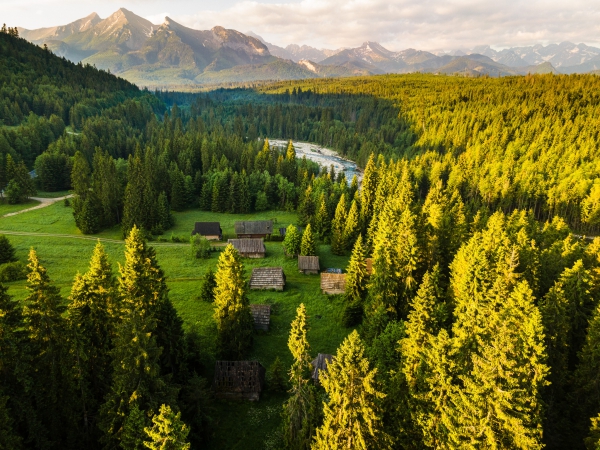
{"x":470,"y":301}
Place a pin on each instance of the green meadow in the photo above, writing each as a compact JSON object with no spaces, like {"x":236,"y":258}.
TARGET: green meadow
{"x":239,"y":424}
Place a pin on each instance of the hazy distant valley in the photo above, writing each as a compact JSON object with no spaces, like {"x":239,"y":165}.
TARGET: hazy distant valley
{"x":171,"y":54}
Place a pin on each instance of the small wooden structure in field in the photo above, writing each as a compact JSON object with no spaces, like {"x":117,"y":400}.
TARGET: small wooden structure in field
{"x":262,"y":316}
{"x":320,"y":365}
{"x":210,"y":230}
{"x":239,"y":380}
{"x":253,"y":229}
{"x":249,"y":248}
{"x":309,"y":265}
{"x":369,"y":263}
{"x":333,"y":283}
{"x":267,"y":278}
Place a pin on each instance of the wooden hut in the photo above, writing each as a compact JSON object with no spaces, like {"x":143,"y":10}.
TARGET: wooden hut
{"x":333,"y":283}
{"x":320,"y":365}
{"x":253,"y":229}
{"x":309,"y":265}
{"x":262,"y":316}
{"x":267,"y":278}
{"x":210,"y":230}
{"x":369,"y":263}
{"x":241,"y":380}
{"x":249,"y":248}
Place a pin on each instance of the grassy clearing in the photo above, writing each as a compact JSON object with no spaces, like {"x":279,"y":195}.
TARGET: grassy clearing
{"x":42,"y":194}
{"x":239,"y":424}
{"x":5,"y":208}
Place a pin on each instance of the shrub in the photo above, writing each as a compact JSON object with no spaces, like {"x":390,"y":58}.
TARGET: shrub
{"x":207,"y":288}
{"x":7,"y":252}
{"x":13,"y":271}
{"x":200,"y":247}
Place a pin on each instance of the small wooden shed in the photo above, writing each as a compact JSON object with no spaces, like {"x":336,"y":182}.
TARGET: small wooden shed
{"x":253,"y":229}
{"x":262,"y":316}
{"x":369,"y":263}
{"x":333,"y":283}
{"x":309,"y":265}
{"x":210,"y":230}
{"x":320,"y":365}
{"x":249,"y":248}
{"x":241,"y":380}
{"x":267,"y":278}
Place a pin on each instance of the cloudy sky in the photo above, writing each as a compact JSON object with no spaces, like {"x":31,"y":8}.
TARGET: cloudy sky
{"x":397,"y":24}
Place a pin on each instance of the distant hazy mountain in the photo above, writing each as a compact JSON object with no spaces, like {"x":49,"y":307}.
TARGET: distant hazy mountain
{"x":172,"y":54}
{"x":296,"y":52}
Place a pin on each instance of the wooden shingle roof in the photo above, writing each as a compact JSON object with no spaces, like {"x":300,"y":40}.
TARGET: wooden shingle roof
{"x":248,"y":245}
{"x":207,"y":229}
{"x":241,"y":379}
{"x":308,"y":263}
{"x":333,"y":283}
{"x":254,"y":227}
{"x":267,"y":278}
{"x":262,"y":316}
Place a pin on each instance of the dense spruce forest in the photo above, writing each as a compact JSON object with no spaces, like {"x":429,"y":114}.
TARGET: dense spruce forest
{"x":478,"y":326}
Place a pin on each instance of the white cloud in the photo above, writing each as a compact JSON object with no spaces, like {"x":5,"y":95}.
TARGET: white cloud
{"x":399,"y":24}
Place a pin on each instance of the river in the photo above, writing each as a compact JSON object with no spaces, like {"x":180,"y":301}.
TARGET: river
{"x":325,"y":157}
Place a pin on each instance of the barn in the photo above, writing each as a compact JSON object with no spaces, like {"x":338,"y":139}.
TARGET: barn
{"x":249,"y":248}
{"x":253,"y":229}
{"x":320,"y":365}
{"x":239,"y":380}
{"x":333,"y":283}
{"x":267,"y":278}
{"x":309,"y":265}
{"x":210,"y":230}
{"x":262,"y":316}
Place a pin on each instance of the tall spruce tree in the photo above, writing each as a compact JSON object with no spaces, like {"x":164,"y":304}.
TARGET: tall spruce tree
{"x":352,"y":414}
{"x":338,"y":243}
{"x":307,"y":245}
{"x":352,"y":226}
{"x":292,"y":242}
{"x":356,"y":285}
{"x":322,"y":219}
{"x":300,"y":410}
{"x":232,"y":310}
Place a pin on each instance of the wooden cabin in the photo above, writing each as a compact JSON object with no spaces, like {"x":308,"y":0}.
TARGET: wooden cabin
{"x":309,"y":265}
{"x":253,"y":229}
{"x":369,"y":263}
{"x":320,"y":365}
{"x":262,"y":316}
{"x":239,"y":380}
{"x":267,"y":278}
{"x":210,"y":230}
{"x":333,"y":283}
{"x":249,"y":248}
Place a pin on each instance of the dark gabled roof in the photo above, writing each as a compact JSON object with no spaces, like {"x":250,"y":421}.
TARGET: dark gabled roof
{"x":308,"y":263}
{"x":239,"y":376}
{"x":267,"y":276}
{"x":207,"y":229}
{"x":254,"y":227}
{"x":248,"y":245}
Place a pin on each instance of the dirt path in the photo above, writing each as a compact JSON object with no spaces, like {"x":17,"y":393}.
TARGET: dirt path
{"x":87,"y":238}
{"x":43,"y":203}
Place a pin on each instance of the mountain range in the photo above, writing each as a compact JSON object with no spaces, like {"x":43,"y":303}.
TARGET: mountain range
{"x":171,"y":54}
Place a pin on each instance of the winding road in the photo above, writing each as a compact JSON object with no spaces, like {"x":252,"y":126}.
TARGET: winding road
{"x":43,"y":203}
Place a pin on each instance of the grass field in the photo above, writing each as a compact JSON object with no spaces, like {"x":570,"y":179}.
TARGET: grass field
{"x":5,"y":208}
{"x":239,"y":424}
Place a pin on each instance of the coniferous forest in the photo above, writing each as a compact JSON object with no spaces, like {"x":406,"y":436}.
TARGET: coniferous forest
{"x":475,"y":326}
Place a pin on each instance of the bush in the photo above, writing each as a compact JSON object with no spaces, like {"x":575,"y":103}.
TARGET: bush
{"x":200,"y":247}
{"x":207,"y":288}
{"x":67,"y":202}
{"x":276,"y":377}
{"x":7,"y":252}
{"x":13,"y":271}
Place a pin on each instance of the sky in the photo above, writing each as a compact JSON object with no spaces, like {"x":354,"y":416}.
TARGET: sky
{"x":396,"y":24}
